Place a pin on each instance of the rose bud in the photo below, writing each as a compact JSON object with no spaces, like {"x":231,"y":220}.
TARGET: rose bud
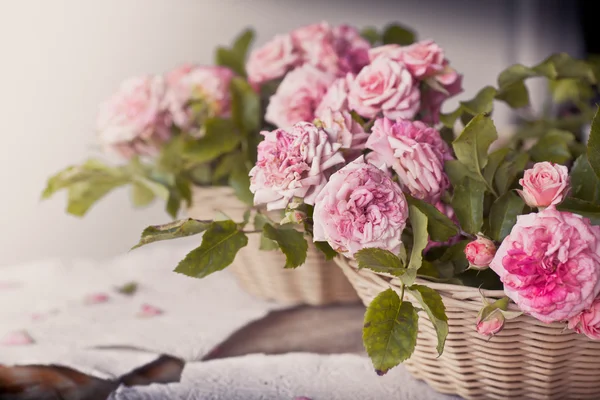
{"x":490,"y":324}
{"x":545,"y":184}
{"x":480,"y":252}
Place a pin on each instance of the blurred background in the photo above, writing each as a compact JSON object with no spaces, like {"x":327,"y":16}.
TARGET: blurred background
{"x":61,"y":58}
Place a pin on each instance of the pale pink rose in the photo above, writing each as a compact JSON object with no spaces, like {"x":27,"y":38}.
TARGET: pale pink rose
{"x":423,"y":59}
{"x":135,"y":120}
{"x":337,"y":50}
{"x":384,"y":86}
{"x":415,"y":152}
{"x":293,"y":163}
{"x":360,"y":207}
{"x":148,"y":311}
{"x":545,"y":184}
{"x":336,"y":97}
{"x":550,"y":264}
{"x":588,"y":321}
{"x":17,"y":338}
{"x":298,"y":96}
{"x":273,"y":60}
{"x":205,"y":86}
{"x":344,"y":130}
{"x":491,"y":324}
{"x":480,"y":252}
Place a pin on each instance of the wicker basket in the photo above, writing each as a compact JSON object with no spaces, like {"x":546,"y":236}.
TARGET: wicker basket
{"x":526,"y":360}
{"x":261,"y":273}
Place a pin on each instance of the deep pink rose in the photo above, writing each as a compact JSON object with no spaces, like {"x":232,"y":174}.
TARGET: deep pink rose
{"x":292,"y":163}
{"x":135,"y":121}
{"x":337,"y":50}
{"x":433,"y":98}
{"x":545,"y":184}
{"x":384,"y":86}
{"x":198,"y":92}
{"x":272,"y":60}
{"x":480,"y":252}
{"x":588,"y":321}
{"x":344,"y":130}
{"x":550,"y":264}
{"x":423,"y":59}
{"x":360,"y":207}
{"x":336,"y":97}
{"x":491,"y":324}
{"x":415,"y":152}
{"x":298,"y":96}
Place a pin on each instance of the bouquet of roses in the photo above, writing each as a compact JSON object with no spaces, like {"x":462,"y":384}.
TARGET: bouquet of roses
{"x":365,"y":165}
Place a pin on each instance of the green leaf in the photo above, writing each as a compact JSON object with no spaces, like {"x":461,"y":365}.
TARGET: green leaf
{"x":170,"y":157}
{"x":432,"y":304}
{"x":172,"y":230}
{"x":220,"y":137}
{"x":471,"y":146}
{"x":140,"y":195}
{"x":397,"y":34}
{"x":418,"y":221}
{"x":245,"y":106}
{"x":291,"y":242}
{"x":83,"y":195}
{"x":230,"y":59}
{"x":173,"y":204}
{"x":128,"y":289}
{"x":515,"y":95}
{"x":326,"y":249}
{"x":390,"y":331}
{"x":457,"y":171}
{"x":242,"y":43}
{"x":503,"y":215}
{"x":553,"y":147}
{"x":468,"y":205}
{"x":581,"y":207}
{"x":494,"y":160}
{"x":225,"y":165}
{"x":482,"y":103}
{"x":371,"y":34}
{"x":585,"y":185}
{"x":439,"y":226}
{"x":593,"y":146}
{"x":509,"y":170}
{"x":220,"y":244}
{"x":240,"y":182}
{"x":379,"y":260}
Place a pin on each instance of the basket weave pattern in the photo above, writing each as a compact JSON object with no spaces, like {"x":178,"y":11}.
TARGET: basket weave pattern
{"x":261,"y":273}
{"x":526,"y":360}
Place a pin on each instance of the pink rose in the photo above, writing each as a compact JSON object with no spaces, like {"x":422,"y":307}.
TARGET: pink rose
{"x":491,"y":324}
{"x":588,"y":321}
{"x":432,"y":99}
{"x":134,"y":121}
{"x":292,"y":163}
{"x":550,"y":264}
{"x":336,"y":97}
{"x":335,"y":50}
{"x":384,"y":86}
{"x":297,"y":97}
{"x":198,"y":92}
{"x":545,"y":184}
{"x":344,"y":130}
{"x":360,"y":207}
{"x":415,"y":152}
{"x":273,"y":60}
{"x":480,"y":252}
{"x":423,"y":59}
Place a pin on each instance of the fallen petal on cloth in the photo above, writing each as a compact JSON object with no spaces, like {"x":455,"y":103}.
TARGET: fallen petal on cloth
{"x":149,"y":311}
{"x":289,"y":376}
{"x":96,"y":298}
{"x":17,"y":338}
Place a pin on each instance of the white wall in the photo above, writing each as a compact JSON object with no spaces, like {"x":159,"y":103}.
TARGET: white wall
{"x":60,"y":58}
